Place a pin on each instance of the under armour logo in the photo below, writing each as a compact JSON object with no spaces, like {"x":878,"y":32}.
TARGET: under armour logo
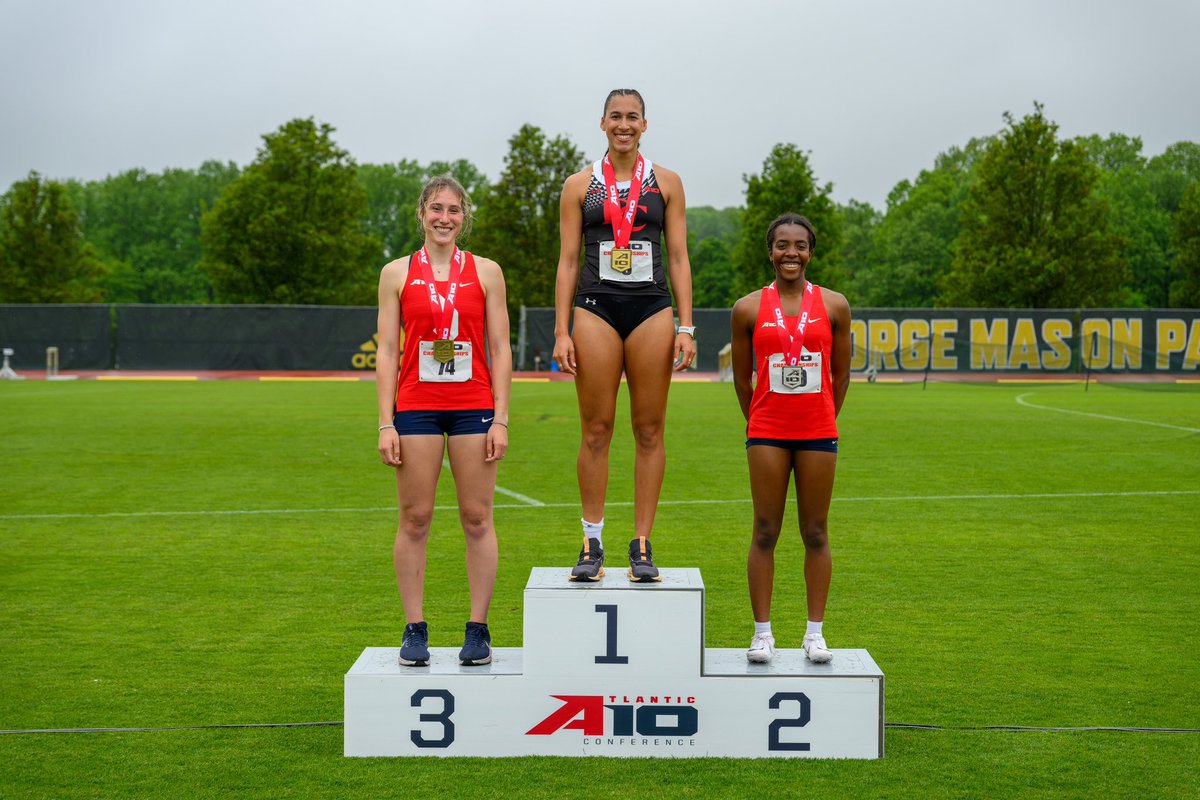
{"x":589,"y":301}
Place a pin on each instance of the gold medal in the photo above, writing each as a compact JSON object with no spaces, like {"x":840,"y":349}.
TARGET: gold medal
{"x":622,"y":259}
{"x":443,"y":350}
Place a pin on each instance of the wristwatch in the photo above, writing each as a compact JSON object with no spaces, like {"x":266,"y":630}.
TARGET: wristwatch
{"x":690,"y":330}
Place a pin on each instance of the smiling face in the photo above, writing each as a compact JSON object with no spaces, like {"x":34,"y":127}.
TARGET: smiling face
{"x":623,"y":123}
{"x":442,"y":216}
{"x":791,"y":250}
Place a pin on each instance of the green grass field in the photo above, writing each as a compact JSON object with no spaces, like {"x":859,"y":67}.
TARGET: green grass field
{"x":219,"y":553}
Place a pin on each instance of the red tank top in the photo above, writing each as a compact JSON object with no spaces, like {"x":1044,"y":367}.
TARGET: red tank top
{"x":801,"y":410}
{"x":467,"y":328}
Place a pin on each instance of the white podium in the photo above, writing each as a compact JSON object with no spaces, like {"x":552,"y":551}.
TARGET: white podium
{"x":614,"y":668}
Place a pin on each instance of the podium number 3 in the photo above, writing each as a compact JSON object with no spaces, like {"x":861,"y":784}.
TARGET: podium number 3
{"x":610,"y":646}
{"x":443,"y":716}
{"x":773,"y":742}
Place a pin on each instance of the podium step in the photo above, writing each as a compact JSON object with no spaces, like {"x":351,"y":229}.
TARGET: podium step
{"x":615,"y":669}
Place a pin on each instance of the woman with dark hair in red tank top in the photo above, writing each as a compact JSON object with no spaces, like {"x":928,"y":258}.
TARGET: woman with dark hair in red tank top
{"x":623,"y":207}
{"x":449,"y":393}
{"x":795,"y":338}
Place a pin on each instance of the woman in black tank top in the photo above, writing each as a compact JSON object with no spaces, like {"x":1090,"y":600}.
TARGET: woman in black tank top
{"x":621,"y":208}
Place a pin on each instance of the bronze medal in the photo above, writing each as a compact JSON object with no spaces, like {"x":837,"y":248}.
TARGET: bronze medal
{"x":443,"y":350}
{"x":622,"y":260}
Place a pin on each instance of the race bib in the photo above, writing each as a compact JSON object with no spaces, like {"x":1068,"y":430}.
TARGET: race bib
{"x":632,"y":264}
{"x":802,"y":378}
{"x":435,"y":367}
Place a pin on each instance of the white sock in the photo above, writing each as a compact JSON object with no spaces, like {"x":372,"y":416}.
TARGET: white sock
{"x":762,"y":627}
{"x":592,"y":530}
{"x":814,"y":629}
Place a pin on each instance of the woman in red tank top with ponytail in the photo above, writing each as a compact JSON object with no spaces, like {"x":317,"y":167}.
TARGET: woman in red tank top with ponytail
{"x":448,"y":395}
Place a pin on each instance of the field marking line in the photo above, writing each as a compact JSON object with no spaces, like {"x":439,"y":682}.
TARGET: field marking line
{"x":1021,"y":401}
{"x":529,"y":501}
{"x":573,"y":504}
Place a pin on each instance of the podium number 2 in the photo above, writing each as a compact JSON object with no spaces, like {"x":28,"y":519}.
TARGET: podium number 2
{"x":773,"y":742}
{"x":610,"y":647}
{"x":443,"y":716}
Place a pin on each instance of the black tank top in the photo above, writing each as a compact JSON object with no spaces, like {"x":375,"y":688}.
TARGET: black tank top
{"x":647,"y":276}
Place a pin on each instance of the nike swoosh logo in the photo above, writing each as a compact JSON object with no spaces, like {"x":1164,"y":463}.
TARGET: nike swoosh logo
{"x":488,"y":419}
{"x":469,"y":283}
{"x":815,"y":319}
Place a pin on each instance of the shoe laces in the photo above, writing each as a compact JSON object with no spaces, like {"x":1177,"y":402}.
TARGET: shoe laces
{"x":817,"y":641}
{"x":475,"y":635}
{"x":413,"y":635}
{"x":762,"y":640}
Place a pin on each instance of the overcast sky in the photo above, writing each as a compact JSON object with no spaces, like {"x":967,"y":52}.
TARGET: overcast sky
{"x":873,"y":90}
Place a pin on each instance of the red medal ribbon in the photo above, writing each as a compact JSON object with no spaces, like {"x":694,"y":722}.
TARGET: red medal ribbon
{"x":443,"y":313}
{"x":622,"y":218}
{"x":791,"y":342}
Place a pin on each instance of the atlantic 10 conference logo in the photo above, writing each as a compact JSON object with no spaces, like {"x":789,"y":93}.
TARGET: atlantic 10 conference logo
{"x":624,"y":720}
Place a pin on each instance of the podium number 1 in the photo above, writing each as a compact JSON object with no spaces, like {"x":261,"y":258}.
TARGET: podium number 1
{"x":610,"y":648}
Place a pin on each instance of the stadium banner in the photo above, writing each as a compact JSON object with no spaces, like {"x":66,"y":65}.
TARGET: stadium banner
{"x":979,"y":340}
{"x":83,"y":335}
{"x":1026,"y":340}
{"x":246,"y":337}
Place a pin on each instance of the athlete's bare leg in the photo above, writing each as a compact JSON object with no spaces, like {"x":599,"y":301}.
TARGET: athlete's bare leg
{"x":814,"y":490}
{"x":416,"y":487}
{"x":475,"y":484}
{"x":599,"y":361}
{"x":770,"y":473}
{"x":648,"y":373}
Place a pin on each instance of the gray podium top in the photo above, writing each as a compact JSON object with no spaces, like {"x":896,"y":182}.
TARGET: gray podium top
{"x":687,"y":578}
{"x":383,"y":661}
{"x":731,"y":662}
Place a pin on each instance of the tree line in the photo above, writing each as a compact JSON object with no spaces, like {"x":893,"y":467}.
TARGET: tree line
{"x":1023,"y":218}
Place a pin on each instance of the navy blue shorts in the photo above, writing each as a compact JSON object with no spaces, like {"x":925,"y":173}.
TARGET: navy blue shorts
{"x":623,"y":313}
{"x":437,"y":423}
{"x":796,"y":445}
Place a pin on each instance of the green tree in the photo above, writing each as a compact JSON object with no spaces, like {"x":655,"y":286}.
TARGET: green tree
{"x":146,"y":228}
{"x":913,"y":244}
{"x":786,"y":184}
{"x":1035,"y":233}
{"x":1185,"y":241}
{"x":859,"y":221}
{"x":290,"y":228}
{"x":518,"y":215}
{"x":43,"y":256}
{"x":712,"y":273}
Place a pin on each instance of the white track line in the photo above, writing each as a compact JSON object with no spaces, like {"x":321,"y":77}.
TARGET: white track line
{"x":1021,"y":401}
{"x":529,"y":501}
{"x":575,"y":504}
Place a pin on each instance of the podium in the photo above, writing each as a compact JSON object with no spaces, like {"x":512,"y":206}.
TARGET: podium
{"x":614,"y":668}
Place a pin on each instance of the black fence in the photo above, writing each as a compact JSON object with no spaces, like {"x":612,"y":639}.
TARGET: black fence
{"x":215,"y":337}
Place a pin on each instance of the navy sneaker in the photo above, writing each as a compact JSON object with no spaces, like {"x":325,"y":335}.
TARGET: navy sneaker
{"x":414,"y":652}
{"x":591,"y":562}
{"x":477,"y":645}
{"x":641,"y":561}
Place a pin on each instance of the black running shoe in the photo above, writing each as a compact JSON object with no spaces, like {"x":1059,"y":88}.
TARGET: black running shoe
{"x":641,"y":561}
{"x":591,"y":562}
{"x":477,"y":645}
{"x":414,"y":652}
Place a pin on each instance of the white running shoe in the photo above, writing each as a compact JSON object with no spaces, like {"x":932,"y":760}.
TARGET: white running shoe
{"x":762,"y":649}
{"x":815,"y":649}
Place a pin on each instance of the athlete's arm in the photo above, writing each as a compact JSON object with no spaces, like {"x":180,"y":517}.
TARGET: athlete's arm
{"x":678,"y":264}
{"x":499,"y":352}
{"x":839,"y":320}
{"x":745,"y":312}
{"x":387,"y":356}
{"x":570,"y":230}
